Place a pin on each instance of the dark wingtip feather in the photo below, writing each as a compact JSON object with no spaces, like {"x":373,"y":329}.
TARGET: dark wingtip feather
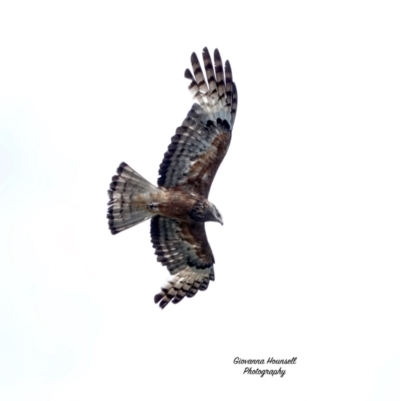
{"x":163,"y":304}
{"x":188,"y":74}
{"x":158,"y":297}
{"x":193,"y":58}
{"x":217,"y":54}
{"x":113,"y":231}
{"x":162,"y":299}
{"x":121,"y":167}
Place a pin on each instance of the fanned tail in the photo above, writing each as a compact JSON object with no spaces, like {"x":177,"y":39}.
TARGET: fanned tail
{"x":123,"y":211}
{"x":217,"y":95}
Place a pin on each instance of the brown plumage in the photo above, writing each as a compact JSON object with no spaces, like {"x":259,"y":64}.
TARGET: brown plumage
{"x":179,"y":206}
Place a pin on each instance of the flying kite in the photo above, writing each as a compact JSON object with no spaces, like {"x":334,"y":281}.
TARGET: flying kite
{"x":179,"y":206}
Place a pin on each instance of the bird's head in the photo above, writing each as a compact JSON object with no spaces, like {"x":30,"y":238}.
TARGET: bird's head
{"x":214,"y":214}
{"x":204,"y":210}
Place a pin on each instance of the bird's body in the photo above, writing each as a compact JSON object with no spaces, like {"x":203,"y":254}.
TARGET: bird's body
{"x":176,"y":204}
{"x":179,"y":206}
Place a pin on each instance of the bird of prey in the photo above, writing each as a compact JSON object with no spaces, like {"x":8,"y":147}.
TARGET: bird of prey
{"x":179,"y":206}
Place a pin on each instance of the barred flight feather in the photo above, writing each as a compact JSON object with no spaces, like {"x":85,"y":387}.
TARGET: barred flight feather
{"x":179,"y":244}
{"x":185,"y":283}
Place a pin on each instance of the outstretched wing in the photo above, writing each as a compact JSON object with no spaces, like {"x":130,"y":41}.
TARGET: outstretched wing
{"x":184,"y":249}
{"x":201,"y":142}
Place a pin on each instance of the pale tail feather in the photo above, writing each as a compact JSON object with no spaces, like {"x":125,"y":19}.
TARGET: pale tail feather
{"x":122,"y":211}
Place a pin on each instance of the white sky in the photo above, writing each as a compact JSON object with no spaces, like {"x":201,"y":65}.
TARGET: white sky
{"x":307,"y":261}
